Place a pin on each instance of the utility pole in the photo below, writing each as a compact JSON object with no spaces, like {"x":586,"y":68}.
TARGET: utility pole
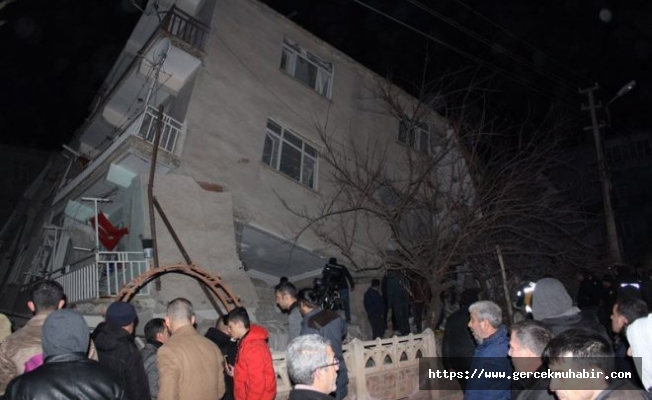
{"x":605,"y":181}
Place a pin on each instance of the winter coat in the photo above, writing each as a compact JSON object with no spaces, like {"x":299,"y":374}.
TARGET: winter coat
{"x":151,"y":366}
{"x":68,"y":376}
{"x":330,"y":325}
{"x":116,"y":350}
{"x":490,"y":356}
{"x":458,"y":345}
{"x":373,"y":302}
{"x":19,"y":347}
{"x":307,"y":394}
{"x":294,"y":321}
{"x":254,"y":377}
{"x":229,"y":349}
{"x":190,"y":367}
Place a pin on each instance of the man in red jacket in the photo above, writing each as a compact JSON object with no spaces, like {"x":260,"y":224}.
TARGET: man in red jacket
{"x":253,"y":373}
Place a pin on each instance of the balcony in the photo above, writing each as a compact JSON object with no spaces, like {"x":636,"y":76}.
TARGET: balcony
{"x":145,"y":128}
{"x":186,"y":28}
{"x":104,"y":277}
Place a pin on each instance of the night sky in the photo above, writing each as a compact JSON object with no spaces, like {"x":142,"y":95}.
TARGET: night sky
{"x":56,"y":53}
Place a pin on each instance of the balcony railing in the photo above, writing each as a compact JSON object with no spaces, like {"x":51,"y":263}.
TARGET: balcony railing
{"x":145,"y":128}
{"x":186,"y":28}
{"x":108,"y":273}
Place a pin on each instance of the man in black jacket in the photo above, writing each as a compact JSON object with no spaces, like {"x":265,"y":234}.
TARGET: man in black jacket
{"x":229,"y":348}
{"x":67,"y":372}
{"x":116,"y":349}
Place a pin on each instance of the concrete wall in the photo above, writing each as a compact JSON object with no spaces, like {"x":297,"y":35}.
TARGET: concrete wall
{"x":203,"y":221}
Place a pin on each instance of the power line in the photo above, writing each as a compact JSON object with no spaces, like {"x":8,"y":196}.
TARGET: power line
{"x":528,"y":45}
{"x":499,"y":48}
{"x":469,"y":56}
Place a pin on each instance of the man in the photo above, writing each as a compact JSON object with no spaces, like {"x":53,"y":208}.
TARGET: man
{"x":552,"y":305}
{"x":625,"y":311}
{"x":638,"y":336}
{"x":329,"y":325}
{"x":229,"y":348}
{"x":25,"y":344}
{"x":580,"y":350}
{"x":253,"y":374}
{"x":527,"y":341}
{"x":116,"y":349}
{"x":67,"y":372}
{"x":190,"y":367}
{"x":156,"y":335}
{"x":589,"y":294}
{"x":286,"y":300}
{"x":312,"y":366}
{"x":341,"y":277}
{"x":374,"y":305}
{"x":490,"y":354}
{"x":458,"y":345}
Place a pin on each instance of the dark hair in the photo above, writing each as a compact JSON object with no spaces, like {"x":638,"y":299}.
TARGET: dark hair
{"x":631,"y":308}
{"x":375,"y":282}
{"x":283,"y":279}
{"x":532,"y":334}
{"x":588,"y":350}
{"x":154,"y":326}
{"x":286,"y":288}
{"x":308,"y":297}
{"x":332,"y":260}
{"x":240,"y":314}
{"x":46,"y":295}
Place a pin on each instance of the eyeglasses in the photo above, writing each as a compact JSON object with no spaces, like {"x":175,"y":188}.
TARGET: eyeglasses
{"x":336,"y":361}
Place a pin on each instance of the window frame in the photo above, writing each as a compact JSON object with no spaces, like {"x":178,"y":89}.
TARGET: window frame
{"x":291,"y":52}
{"x":278,"y":142}
{"x":409,"y":129}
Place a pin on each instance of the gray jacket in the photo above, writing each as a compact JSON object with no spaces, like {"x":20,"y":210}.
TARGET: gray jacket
{"x":151,"y":367}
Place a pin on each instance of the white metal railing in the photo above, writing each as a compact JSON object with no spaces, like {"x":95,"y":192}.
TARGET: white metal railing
{"x":109,"y":272}
{"x":374,"y":361}
{"x":145,"y":128}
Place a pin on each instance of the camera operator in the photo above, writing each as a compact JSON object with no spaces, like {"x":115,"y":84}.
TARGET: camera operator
{"x":340,"y":277}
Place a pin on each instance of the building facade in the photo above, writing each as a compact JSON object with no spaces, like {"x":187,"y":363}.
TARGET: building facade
{"x":247,"y":99}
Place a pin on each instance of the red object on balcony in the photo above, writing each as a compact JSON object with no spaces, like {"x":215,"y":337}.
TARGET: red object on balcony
{"x":109,"y":235}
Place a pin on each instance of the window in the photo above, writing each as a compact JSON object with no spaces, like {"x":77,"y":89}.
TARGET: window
{"x":307,"y":68}
{"x":289,"y":154}
{"x":416,"y":135}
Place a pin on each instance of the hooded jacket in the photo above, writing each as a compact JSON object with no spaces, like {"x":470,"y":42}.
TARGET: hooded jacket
{"x":116,"y":350}
{"x":254,"y":377}
{"x":552,"y":305}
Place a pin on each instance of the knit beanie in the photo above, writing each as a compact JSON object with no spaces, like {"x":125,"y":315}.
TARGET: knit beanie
{"x":550,"y":299}
{"x":64,"y":332}
{"x":121,"y":313}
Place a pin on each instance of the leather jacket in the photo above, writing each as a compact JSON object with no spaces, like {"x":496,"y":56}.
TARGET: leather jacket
{"x":68,"y":376}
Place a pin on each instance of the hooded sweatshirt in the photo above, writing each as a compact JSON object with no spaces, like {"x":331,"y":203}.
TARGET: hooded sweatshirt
{"x":552,"y":305}
{"x":117,"y":350}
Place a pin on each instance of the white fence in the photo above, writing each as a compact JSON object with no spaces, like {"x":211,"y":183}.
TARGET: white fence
{"x":105,"y":277}
{"x":378,"y":369}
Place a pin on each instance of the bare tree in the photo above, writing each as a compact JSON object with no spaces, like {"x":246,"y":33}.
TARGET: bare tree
{"x":461,"y":186}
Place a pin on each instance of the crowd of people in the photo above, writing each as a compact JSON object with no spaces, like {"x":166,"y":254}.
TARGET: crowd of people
{"x":55,"y":355}
{"x":557,"y":336}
